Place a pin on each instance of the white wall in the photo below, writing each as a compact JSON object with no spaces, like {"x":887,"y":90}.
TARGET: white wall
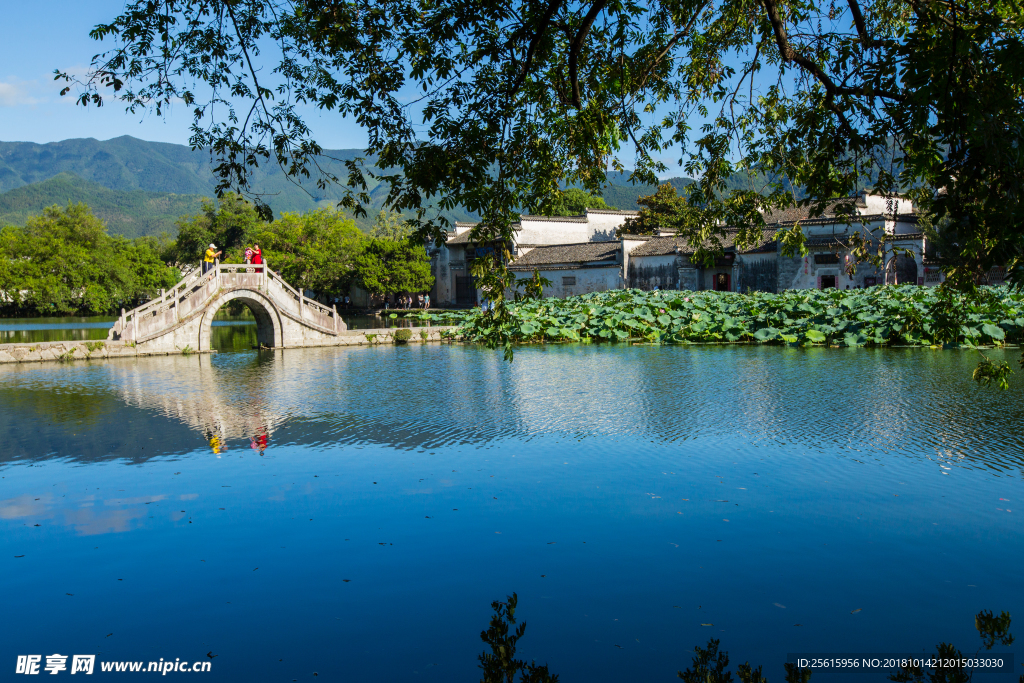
{"x":878,"y":204}
{"x":595,"y":226}
{"x":627,"y":247}
{"x":593,"y":279}
{"x":840,"y":228}
{"x":653,"y":261}
{"x":550,"y":231}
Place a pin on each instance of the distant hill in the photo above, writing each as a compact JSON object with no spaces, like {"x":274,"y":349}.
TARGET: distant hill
{"x":623,"y":196}
{"x":141,"y":188}
{"x":132,"y":213}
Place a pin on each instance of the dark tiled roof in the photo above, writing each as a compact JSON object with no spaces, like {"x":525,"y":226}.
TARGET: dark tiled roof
{"x":640,"y":238}
{"x":842,"y":209}
{"x":560,"y":266}
{"x":567,"y":254}
{"x":802,"y":213}
{"x":661,"y":246}
{"x":556,"y":219}
{"x":615,"y":212}
{"x":842,"y":240}
{"x":463,"y":237}
{"x":914,"y":236}
{"x":657,"y":246}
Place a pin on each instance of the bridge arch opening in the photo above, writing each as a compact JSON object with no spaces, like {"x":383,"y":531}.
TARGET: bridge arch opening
{"x":264,"y":313}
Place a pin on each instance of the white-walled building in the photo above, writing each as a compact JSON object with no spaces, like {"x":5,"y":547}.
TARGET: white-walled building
{"x":454,"y":285}
{"x":581,"y":254}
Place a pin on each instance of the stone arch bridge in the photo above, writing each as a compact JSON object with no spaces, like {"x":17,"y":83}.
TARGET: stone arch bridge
{"x":181,"y":317}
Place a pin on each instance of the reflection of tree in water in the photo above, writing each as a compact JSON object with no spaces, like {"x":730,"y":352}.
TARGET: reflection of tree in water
{"x":500,"y":664}
{"x":710,"y":664}
{"x":447,"y":397}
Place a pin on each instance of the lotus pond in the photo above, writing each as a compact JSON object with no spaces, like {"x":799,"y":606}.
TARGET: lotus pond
{"x":897,"y":315}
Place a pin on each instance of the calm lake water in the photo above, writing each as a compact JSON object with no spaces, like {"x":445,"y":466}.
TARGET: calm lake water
{"x":639,"y":500}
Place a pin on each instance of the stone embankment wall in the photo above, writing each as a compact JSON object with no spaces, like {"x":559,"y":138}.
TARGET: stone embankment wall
{"x":93,"y":350}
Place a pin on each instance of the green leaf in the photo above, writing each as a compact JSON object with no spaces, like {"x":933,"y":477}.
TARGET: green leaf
{"x":815,"y":336}
{"x":993,"y":332}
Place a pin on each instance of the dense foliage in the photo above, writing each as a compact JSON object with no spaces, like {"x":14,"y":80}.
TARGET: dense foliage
{"x":390,"y":266}
{"x":315,"y":250}
{"x":65,"y":262}
{"x":662,"y":210}
{"x":880,"y":316}
{"x":321,"y":250}
{"x":571,"y":202}
{"x":228,"y":223}
{"x":391,"y":225}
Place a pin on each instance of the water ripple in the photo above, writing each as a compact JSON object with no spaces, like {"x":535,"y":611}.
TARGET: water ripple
{"x":857,"y":404}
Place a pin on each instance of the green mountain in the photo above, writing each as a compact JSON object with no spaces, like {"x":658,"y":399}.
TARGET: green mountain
{"x":141,"y":188}
{"x":623,"y":196}
{"x":132,"y":213}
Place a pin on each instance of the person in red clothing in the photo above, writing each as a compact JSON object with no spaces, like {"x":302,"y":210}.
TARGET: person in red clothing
{"x":257,"y":255}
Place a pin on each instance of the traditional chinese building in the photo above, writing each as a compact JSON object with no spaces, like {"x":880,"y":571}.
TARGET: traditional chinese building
{"x":581,"y":254}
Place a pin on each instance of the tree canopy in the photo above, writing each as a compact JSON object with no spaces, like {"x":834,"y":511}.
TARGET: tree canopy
{"x":227,"y":223}
{"x":321,"y":250}
{"x":572,"y":202}
{"x":390,"y":225}
{"x":315,"y":250}
{"x":63,"y":261}
{"x":495,"y":105}
{"x":388,"y":266}
{"x":663,"y":210}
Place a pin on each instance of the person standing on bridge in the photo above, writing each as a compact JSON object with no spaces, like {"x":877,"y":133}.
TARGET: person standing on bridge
{"x":211,"y":256}
{"x":257,"y":255}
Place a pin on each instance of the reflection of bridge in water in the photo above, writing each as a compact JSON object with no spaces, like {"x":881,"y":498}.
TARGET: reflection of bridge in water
{"x":181,"y":317}
{"x":251,"y":405}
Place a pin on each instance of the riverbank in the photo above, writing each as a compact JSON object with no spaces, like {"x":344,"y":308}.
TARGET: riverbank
{"x":70,"y":351}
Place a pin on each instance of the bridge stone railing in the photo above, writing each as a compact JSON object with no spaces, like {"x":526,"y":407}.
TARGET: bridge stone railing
{"x":293,"y":303}
{"x":198,"y":290}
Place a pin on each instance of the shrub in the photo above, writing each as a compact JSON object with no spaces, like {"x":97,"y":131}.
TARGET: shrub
{"x":402,"y":336}
{"x":424,"y":334}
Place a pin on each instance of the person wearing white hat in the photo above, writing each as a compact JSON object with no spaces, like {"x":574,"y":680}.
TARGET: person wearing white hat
{"x":210,"y":258}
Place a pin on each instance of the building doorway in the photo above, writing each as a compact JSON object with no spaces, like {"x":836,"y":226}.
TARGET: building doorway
{"x":722,"y":283}
{"x":906,"y":270}
{"x":828,"y":282}
{"x":465,"y":290}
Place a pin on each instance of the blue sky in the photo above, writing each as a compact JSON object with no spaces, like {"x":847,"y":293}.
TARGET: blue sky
{"x":34,"y":42}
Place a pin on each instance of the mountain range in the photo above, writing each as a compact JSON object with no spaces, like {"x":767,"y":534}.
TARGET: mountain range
{"x":142,"y":188}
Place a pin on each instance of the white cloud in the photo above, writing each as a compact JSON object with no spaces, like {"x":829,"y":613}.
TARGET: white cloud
{"x":15,"y":94}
